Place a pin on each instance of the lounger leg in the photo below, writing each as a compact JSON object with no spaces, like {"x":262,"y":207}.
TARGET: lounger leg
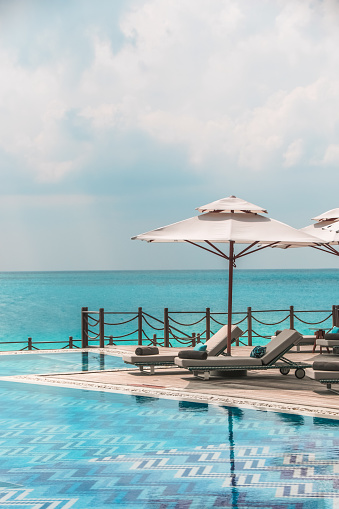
{"x":328,"y":386}
{"x":151,"y":369}
{"x":298,"y":348}
{"x":206,"y":375}
{"x":141,"y":368}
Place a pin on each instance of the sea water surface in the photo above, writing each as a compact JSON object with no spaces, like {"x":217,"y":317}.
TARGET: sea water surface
{"x":47,"y":305}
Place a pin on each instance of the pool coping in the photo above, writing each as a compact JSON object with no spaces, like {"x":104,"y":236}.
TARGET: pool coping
{"x":49,"y":379}
{"x":176,"y":394}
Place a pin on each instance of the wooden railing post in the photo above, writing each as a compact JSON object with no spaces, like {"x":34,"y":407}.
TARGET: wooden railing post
{"x":29,"y":344}
{"x":102,"y":328}
{"x":166,"y":328}
{"x":139,"y":326}
{"x":154,"y":340}
{"x":249,"y":326}
{"x":208,"y":323}
{"x":110,"y":341}
{"x":70,"y":342}
{"x":84,"y":327}
{"x":193,"y":339}
{"x":291,"y":317}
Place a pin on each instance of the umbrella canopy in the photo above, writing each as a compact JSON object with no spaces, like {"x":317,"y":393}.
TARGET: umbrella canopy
{"x":325,"y":230}
{"x":329,"y":215}
{"x":231,"y":221}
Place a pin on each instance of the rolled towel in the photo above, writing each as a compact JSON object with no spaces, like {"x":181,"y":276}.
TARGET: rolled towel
{"x":192,"y":354}
{"x":326,"y":366}
{"x":146,"y":350}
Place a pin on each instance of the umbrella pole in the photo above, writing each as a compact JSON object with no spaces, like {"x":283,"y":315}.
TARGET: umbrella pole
{"x":230,"y":291}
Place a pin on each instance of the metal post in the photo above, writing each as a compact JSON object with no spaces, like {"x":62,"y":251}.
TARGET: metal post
{"x":230,"y":290}
{"x":291,"y":317}
{"x":70,"y":341}
{"x":154,"y":341}
{"x":102,"y":328}
{"x":29,"y":344}
{"x":110,"y":341}
{"x":249,"y":326}
{"x":166,"y":328}
{"x":334,"y":315}
{"x":139,"y":326}
{"x":208,"y":323}
{"x":193,"y":339}
{"x":84,"y":327}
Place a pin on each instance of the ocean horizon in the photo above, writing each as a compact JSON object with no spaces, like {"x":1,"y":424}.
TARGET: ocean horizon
{"x":47,"y":305}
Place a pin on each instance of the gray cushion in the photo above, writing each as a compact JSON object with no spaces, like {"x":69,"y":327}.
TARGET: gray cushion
{"x":330,"y":336}
{"x":218,"y":342}
{"x":149,"y":359}
{"x":326,"y":365}
{"x":218,"y":362}
{"x":286,"y":339}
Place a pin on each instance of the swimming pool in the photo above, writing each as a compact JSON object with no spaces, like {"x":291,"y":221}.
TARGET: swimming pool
{"x":60,"y":362}
{"x":66,"y":448}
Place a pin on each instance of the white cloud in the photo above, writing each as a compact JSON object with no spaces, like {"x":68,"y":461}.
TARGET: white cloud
{"x":255,"y":83}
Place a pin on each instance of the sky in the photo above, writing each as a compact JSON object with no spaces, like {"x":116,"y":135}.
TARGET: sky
{"x":117,"y":117}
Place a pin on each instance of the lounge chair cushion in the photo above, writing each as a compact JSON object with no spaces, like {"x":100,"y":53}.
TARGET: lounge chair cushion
{"x":326,"y":366}
{"x":279,"y":344}
{"x":322,"y":375}
{"x":147,"y":360}
{"x":221,"y":362}
{"x":146,"y":350}
{"x":218,"y":342}
{"x":192,"y":354}
{"x":200,"y":348}
{"x":331,"y":336}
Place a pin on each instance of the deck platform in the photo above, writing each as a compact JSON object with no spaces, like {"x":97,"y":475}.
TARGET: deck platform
{"x":266,"y":390}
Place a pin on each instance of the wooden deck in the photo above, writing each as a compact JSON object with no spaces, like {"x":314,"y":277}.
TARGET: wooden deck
{"x":267,"y":390}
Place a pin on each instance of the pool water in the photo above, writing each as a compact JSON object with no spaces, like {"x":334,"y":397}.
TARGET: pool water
{"x":61,"y":362}
{"x":66,"y":448}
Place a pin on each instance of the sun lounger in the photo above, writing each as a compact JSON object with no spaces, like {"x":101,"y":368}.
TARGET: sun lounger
{"x":272,"y":359}
{"x":215,"y":346}
{"x":306,"y":339}
{"x":325,"y":369}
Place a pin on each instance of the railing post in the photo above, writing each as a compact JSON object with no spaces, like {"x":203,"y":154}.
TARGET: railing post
{"x":208,"y":323}
{"x":193,"y":339}
{"x":102,"y":328}
{"x":70,"y":342}
{"x":154,"y":340}
{"x":29,"y":344}
{"x":249,"y":326}
{"x":334,"y":315}
{"x":291,"y":317}
{"x":166,"y":328}
{"x":84,"y":327}
{"x":110,"y":341}
{"x":139,"y":326}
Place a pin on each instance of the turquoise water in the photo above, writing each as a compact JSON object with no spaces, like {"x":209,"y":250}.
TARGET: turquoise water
{"x":71,"y":448}
{"x":66,"y":362}
{"x":46,"y":305}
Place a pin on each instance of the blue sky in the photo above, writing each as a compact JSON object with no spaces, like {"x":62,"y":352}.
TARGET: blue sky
{"x":119,"y":117}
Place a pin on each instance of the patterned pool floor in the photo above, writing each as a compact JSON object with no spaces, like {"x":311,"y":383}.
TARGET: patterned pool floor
{"x":66,"y":448}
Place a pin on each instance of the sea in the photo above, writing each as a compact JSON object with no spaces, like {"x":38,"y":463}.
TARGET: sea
{"x":46,"y":306}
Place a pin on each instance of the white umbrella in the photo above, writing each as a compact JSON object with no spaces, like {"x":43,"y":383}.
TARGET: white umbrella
{"x":326,"y":228}
{"x":233,"y":221}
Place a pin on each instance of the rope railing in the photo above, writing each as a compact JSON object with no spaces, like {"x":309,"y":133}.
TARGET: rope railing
{"x":271,"y":324}
{"x":313,"y":323}
{"x":167,"y":331}
{"x":186,"y":324}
